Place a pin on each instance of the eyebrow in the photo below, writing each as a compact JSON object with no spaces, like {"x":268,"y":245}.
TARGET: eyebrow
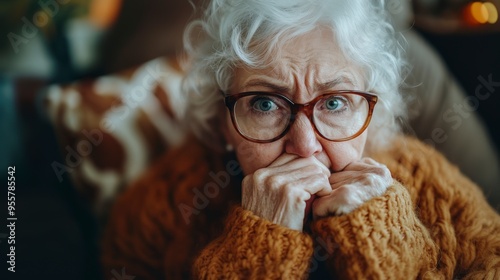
{"x":285,"y":89}
{"x":274,"y":87}
{"x":333,"y":83}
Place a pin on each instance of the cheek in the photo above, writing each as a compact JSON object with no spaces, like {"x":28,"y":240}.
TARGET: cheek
{"x":343,"y":153}
{"x":251,"y":156}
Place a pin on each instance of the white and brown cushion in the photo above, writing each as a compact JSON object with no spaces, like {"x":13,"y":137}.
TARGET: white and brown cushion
{"x":112,"y":128}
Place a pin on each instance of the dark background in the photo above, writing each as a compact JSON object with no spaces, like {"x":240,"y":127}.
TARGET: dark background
{"x":56,"y":234}
{"x":469,"y":56}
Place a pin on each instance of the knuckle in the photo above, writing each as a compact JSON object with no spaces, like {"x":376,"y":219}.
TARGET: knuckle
{"x":288,"y":188}
{"x":314,"y":163}
{"x":274,"y":182}
{"x":311,"y":168}
{"x":372,"y":178}
{"x":368,"y":160}
{"x":381,"y":170}
{"x":246,"y":181}
{"x":319,"y":169}
{"x":291,"y":192}
{"x":377,"y":181}
{"x":321,"y":178}
{"x":260,"y":174}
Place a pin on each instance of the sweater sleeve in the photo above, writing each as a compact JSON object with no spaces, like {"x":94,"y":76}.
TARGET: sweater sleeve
{"x":465,"y":228}
{"x":254,"y":248}
{"x":435,"y":224}
{"x":383,"y":239}
{"x":476,"y":228}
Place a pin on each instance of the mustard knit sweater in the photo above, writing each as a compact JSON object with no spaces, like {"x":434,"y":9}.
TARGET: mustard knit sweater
{"x":182,"y":220}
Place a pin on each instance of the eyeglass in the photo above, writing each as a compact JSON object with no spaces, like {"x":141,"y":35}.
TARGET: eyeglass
{"x":264,"y":117}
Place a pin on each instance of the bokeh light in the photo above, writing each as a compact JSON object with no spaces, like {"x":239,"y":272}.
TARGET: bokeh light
{"x":104,"y":12}
{"x":492,"y":12}
{"x":481,"y":13}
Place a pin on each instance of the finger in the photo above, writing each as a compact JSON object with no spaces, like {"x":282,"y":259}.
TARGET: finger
{"x":284,"y":176}
{"x":357,"y":165}
{"x":341,"y":201}
{"x":371,"y":161}
{"x":343,"y":177}
{"x":365,"y":162}
{"x":298,"y":192}
{"x":361,"y":168}
{"x":325,"y":168}
{"x":368,"y":178}
{"x":324,"y":206}
{"x":302,"y":189}
{"x":317,"y":184}
{"x":303,"y":164}
{"x":286,"y":159}
{"x":283,"y":159}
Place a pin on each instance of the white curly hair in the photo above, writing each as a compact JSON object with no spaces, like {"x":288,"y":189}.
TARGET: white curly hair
{"x":232,"y":33}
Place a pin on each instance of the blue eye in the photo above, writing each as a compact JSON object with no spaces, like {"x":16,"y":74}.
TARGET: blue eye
{"x":264,"y":105}
{"x":334,"y":103}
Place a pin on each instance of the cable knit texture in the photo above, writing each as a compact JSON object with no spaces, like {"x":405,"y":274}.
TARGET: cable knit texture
{"x":183,"y":220}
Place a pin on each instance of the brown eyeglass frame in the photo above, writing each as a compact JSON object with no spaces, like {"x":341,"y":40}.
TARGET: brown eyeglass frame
{"x":307,"y":108}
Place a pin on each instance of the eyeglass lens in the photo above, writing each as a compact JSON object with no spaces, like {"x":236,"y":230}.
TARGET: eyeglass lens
{"x":336,"y":116}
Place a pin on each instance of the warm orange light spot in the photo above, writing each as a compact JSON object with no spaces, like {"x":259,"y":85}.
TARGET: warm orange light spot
{"x":479,"y":12}
{"x":492,"y":12}
{"x":104,"y":12}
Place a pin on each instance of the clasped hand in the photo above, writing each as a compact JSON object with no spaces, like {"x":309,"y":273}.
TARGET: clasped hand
{"x":290,"y":187}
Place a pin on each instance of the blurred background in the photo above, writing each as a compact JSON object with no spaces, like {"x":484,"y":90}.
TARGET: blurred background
{"x":467,"y":36}
{"x":53,"y":50}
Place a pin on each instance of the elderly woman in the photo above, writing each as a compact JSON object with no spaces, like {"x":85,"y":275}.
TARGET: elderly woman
{"x":304,"y":173}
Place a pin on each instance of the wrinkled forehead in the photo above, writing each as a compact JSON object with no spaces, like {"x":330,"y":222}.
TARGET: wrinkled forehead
{"x":308,"y":62}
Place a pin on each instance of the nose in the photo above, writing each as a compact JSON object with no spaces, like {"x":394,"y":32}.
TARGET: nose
{"x":301,"y":139}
